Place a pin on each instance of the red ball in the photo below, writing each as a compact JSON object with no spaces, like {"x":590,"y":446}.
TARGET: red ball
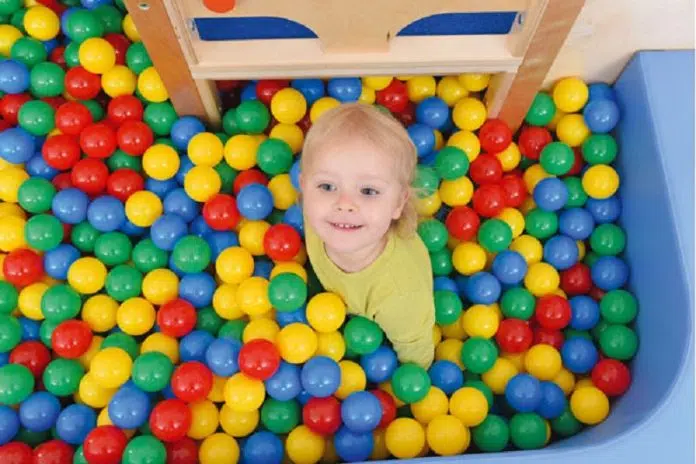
{"x":55,"y":102}
{"x":282,"y":242}
{"x":259,"y":359}
{"x":123,"y":183}
{"x":489,"y":200}
{"x":104,"y":445}
{"x":250,"y":176}
{"x":170,"y":420}
{"x":90,"y":175}
{"x":71,"y":339}
{"x":388,"y":407}
{"x":552,"y":312}
{"x":228,"y":85}
{"x":82,"y":84}
{"x":266,"y":88}
{"x":192,"y":381}
{"x":408,"y":115}
{"x":16,"y":452}
{"x":486,"y":169}
{"x":596,"y":293}
{"x":577,"y":279}
{"x":184,"y":451}
{"x":305,"y":123}
{"x":176,"y":318}
{"x":54,"y":452}
{"x":125,"y":108}
{"x":394,"y":97}
{"x":514,"y":336}
{"x":514,"y":189}
{"x":495,"y":136}
{"x":22,"y":267}
{"x":33,"y":355}
{"x":220,"y":212}
{"x":611,"y":376}
{"x":62,"y":181}
{"x":554,"y":338}
{"x":72,"y":117}
{"x":322,"y":415}
{"x":462,"y":223}
{"x":10,"y":105}
{"x":532,"y":140}
{"x":578,"y":163}
{"x":134,"y":137}
{"x":61,"y":151}
{"x":120,"y":43}
{"x":57,"y":56}
{"x":98,"y":140}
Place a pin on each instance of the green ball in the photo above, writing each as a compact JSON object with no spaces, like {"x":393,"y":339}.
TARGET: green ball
{"x":280,"y":416}
{"x":160,"y":117}
{"x":362,"y":335}
{"x":479,"y":354}
{"x":274,"y":156}
{"x":287,"y":292}
{"x":618,"y":307}
{"x":410,"y":383}
{"x":227,"y":176}
{"x":113,"y":248}
{"x":618,"y":342}
{"x":441,"y":262}
{"x":566,"y":425}
{"x":608,"y":240}
{"x":37,"y":117}
{"x":29,"y":52}
{"x":46,"y":330}
{"x":252,"y":117}
{"x":191,"y":254}
{"x":222,"y":136}
{"x":518,"y":303}
{"x":62,"y":376}
{"x":60,"y":303}
{"x":123,"y":282}
{"x":9,"y":7}
{"x":124,"y":341}
{"x":557,"y":158}
{"x":434,"y":234}
{"x":495,"y":235}
{"x":84,"y":236}
{"x":83,"y":24}
{"x":576,"y":194}
{"x":17,"y":20}
{"x":492,"y":435}
{"x":481,"y":386}
{"x":35,"y":195}
{"x":46,"y":80}
{"x":426,"y":181}
{"x":232,"y":330}
{"x":599,"y":149}
{"x":144,"y":449}
{"x":32,"y":438}
{"x":229,"y":122}
{"x":152,"y":371}
{"x":451,"y":163}
{"x":8,"y":297}
{"x":138,"y":60}
{"x":147,"y":257}
{"x":122,"y":160}
{"x":95,"y":109}
{"x":541,"y":224}
{"x":599,"y":329}
{"x":542,"y":110}
{"x":572,"y":333}
{"x":525,"y":163}
{"x":209,"y":321}
{"x":16,"y":384}
{"x":527,"y":431}
{"x":10,"y":333}
{"x":79,"y":456}
{"x":110,"y":17}
{"x":71,"y":55}
{"x":43,"y":232}
{"x":448,"y":307}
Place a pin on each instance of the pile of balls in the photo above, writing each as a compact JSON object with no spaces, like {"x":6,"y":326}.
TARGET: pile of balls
{"x":157,"y":304}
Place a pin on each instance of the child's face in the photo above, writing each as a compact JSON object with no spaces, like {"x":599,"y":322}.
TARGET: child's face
{"x":351,"y":194}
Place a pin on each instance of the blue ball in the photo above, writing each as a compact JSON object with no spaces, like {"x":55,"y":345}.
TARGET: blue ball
{"x":523,"y":393}
{"x":92,"y":4}
{"x":446,"y":376}
{"x":304,"y":397}
{"x":345,"y":89}
{"x":184,"y":167}
{"x":249,"y":92}
{"x":351,"y":446}
{"x":604,"y":211}
{"x":178,"y":202}
{"x":193,"y":346}
{"x":4,"y":358}
{"x":380,"y":364}
{"x":433,"y":112}
{"x":39,"y":412}
{"x":50,"y":45}
{"x":9,"y":424}
{"x":37,"y":167}
{"x":609,"y":273}
{"x":584,"y":312}
{"x":30,"y":329}
{"x":131,"y":229}
{"x":561,"y":252}
{"x":285,"y":384}
{"x":262,"y":447}
{"x":74,"y":423}
{"x":220,"y":241}
{"x":184,"y":129}
{"x":167,"y":230}
{"x":361,"y":412}
{"x":129,"y":408}
{"x":553,"y":401}
{"x":444,"y":283}
{"x":201,"y":228}
{"x":423,"y":138}
{"x":576,"y":223}
{"x":174,"y":268}
{"x":295,"y":174}
{"x":601,"y":91}
{"x":284,"y":318}
{"x":312,"y":89}
{"x":64,"y":17}
{"x":16,"y":145}
{"x":601,"y":115}
{"x":461,"y":281}
{"x":168,"y":393}
{"x":221,"y":357}
{"x":579,"y":355}
{"x":483,"y":288}
{"x":106,"y":213}
{"x":550,"y":194}
{"x":321,"y":376}
{"x":509,"y":267}
{"x":263,"y":268}
{"x":58,"y":260}
{"x":14,"y":77}
{"x":70,"y":206}
{"x":197,"y":289}
{"x":429,"y":160}
{"x":293,"y":217}
{"x":160,"y":187}
{"x":255,"y":202}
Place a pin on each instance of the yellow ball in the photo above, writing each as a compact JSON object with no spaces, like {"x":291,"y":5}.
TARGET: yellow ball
{"x":589,"y":405}
{"x":92,"y":393}
{"x":527,"y":205}
{"x":219,"y":448}
{"x":450,"y":90}
{"x":234,"y":265}
{"x":454,"y":330}
{"x":379,"y":449}
{"x":572,"y":130}
{"x":498,"y":376}
{"x":86,"y":359}
{"x":283,"y":192}
{"x":160,"y":286}
{"x":204,"y":419}
{"x":41,"y":23}
{"x":583,"y":383}
{"x":450,"y":349}
{"x":8,"y":36}
{"x":288,"y":106}
{"x":566,"y":380}
{"x":262,"y":328}
{"x":474,"y":82}
{"x":469,"y":258}
{"x":290,"y":134}
{"x":543,"y":362}
{"x":143,"y":208}
{"x":332,"y":345}
{"x":600,"y":181}
{"x":98,"y":56}
{"x":469,"y":114}
{"x":99,"y":312}
{"x":111,"y":367}
{"x":480,"y":321}
{"x":469,"y":405}
{"x":321,"y":106}
{"x":304,"y":446}
{"x":225,"y":302}
{"x":243,"y":393}
{"x":238,"y":423}
{"x":434,"y":404}
{"x":353,"y":379}
{"x":297,"y":343}
{"x":517,"y":359}
{"x":161,"y":343}
{"x":251,"y":235}
{"x":252,"y":296}
{"x":467,"y":142}
{"x":205,"y":149}
{"x":12,"y":233}
{"x":457,"y":192}
{"x":529,"y":247}
{"x":439,"y":139}
{"x":202,"y":182}
{"x":387,"y":388}
{"x":136,"y":316}
{"x":510,"y":157}
{"x":10,"y":180}
{"x":29,"y":301}
{"x":513,"y":218}
{"x":129,"y":29}
{"x":151,"y":87}
{"x":326,"y":312}
{"x":421,"y":87}
{"x":367,"y":95}
{"x":240,"y":151}
{"x":447,"y":436}
{"x":87,"y":275}
{"x":570,"y":94}
{"x":533,"y":175}
{"x":377,"y":82}
{"x":405,"y":438}
{"x":217,"y":393}
{"x":430,"y":205}
{"x":119,"y":80}
{"x":12,"y":209}
{"x":289,"y":267}
{"x":541,"y":279}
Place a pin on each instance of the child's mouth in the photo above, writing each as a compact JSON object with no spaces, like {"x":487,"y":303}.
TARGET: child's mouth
{"x":345,"y":227}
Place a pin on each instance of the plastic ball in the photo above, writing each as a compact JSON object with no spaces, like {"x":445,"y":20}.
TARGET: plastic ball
{"x":543,"y":362}
{"x":469,"y":405}
{"x":527,"y":431}
{"x":469,"y":114}
{"x":570,"y":94}
{"x":326,"y":312}
{"x":589,"y":405}
{"x":601,"y":115}
{"x":288,"y":106}
{"x":304,"y":446}
{"x":362,"y":335}
{"x":170,"y":420}
{"x":410,"y":383}
{"x":150,"y":85}
{"x":405,"y":438}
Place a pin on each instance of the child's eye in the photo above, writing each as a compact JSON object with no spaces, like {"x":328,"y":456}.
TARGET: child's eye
{"x":326,"y":187}
{"x":369,"y":191}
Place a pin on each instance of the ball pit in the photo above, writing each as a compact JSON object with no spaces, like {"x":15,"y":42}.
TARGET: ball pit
{"x":157,"y":304}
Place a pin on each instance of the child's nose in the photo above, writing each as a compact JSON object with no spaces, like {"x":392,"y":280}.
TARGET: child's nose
{"x":345,"y":203}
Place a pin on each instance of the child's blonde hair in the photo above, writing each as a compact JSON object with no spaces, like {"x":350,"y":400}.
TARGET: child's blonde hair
{"x":351,"y":121}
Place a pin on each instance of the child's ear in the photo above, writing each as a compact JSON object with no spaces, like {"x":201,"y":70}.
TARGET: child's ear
{"x":405,"y":197}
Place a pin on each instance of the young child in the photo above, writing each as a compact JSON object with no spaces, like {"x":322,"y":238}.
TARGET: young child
{"x":360,"y":224}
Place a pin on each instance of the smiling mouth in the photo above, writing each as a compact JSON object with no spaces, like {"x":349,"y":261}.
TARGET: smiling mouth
{"x":345,"y":227}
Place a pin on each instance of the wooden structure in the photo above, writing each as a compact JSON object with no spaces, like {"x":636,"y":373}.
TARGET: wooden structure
{"x":354,"y":38}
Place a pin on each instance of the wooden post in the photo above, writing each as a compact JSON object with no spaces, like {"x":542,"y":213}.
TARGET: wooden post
{"x":189,"y":96}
